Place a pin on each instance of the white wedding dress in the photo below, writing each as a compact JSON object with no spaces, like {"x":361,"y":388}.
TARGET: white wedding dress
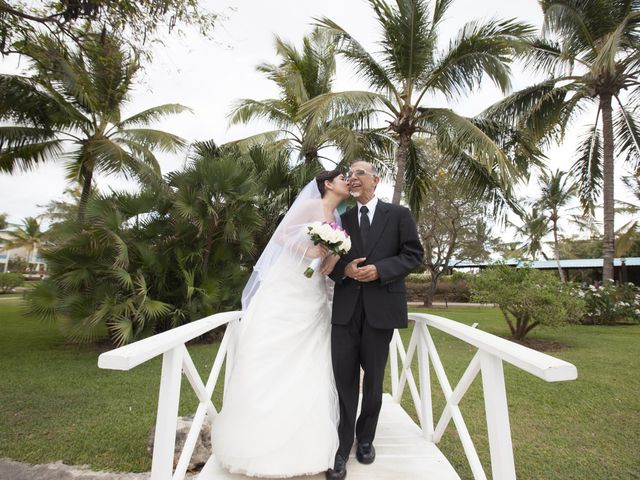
{"x":280,"y":412}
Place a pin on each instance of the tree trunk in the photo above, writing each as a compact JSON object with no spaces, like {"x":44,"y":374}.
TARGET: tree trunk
{"x":431,"y":291}
{"x":556,"y":247}
{"x":607,"y":189}
{"x":86,"y":191}
{"x":402,"y":154}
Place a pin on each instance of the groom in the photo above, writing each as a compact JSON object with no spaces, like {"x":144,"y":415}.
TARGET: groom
{"x":369,"y":302}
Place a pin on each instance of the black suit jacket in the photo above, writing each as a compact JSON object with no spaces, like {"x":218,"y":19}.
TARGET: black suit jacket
{"x":394,"y":248}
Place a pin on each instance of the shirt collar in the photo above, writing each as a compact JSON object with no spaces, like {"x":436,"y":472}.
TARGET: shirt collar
{"x":371,"y":205}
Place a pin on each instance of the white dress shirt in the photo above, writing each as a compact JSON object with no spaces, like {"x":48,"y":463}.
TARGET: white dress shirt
{"x":373,"y":203}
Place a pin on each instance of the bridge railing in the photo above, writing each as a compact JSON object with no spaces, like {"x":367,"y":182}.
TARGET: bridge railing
{"x":491,"y":352}
{"x":175,"y":361}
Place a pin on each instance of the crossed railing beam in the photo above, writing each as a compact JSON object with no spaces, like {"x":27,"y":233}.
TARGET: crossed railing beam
{"x":488,"y":359}
{"x":491,"y":352}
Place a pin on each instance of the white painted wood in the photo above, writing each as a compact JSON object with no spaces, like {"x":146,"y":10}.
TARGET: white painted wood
{"x":497,"y":412}
{"x":424,"y":376}
{"x":541,"y":365}
{"x":167,"y":419}
{"x":456,"y":414}
{"x":456,"y":396}
{"x":132,"y":355}
{"x":199,"y":389}
{"x":401,"y":453}
{"x":393,"y":362}
{"x":407,"y":375}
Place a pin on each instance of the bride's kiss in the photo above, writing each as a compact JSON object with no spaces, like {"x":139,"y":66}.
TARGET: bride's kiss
{"x":291,"y":402}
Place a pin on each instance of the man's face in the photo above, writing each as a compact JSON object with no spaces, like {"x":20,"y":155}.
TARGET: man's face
{"x":362,"y":181}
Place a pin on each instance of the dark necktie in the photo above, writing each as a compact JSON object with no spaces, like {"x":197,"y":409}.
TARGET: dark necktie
{"x":365,"y":225}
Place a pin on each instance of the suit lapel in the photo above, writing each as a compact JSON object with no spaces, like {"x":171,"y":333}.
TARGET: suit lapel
{"x":380,"y":218}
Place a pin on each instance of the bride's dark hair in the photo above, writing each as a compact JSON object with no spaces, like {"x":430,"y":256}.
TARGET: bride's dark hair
{"x":326,"y":175}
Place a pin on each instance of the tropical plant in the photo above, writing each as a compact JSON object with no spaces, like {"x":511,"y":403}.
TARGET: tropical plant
{"x":628,"y":236}
{"x":591,"y":50}
{"x":26,"y":235}
{"x":301,"y":76}
{"x":10,"y":281}
{"x":69,"y":110}
{"x":527,"y":297}
{"x":410,"y":70}
{"x":533,"y":228}
{"x":145,"y":262}
{"x":3,"y":221}
{"x":610,"y":304}
{"x":557,"y":189}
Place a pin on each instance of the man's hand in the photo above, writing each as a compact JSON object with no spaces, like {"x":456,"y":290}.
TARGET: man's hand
{"x":328,"y":264}
{"x":351,"y":270}
{"x":368,"y":273}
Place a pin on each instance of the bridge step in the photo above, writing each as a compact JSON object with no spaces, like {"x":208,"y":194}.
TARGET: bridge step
{"x":401,"y":452}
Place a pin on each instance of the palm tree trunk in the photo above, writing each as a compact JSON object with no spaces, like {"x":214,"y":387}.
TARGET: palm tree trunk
{"x":607,"y":190}
{"x":402,"y":153}
{"x":86,"y":191}
{"x":556,"y":247}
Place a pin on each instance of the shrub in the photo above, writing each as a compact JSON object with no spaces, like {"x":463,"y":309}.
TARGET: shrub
{"x":611,"y":304}
{"x":528,"y":298}
{"x":9,"y":281}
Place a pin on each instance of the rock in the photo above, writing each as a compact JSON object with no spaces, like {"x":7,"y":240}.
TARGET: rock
{"x":201,"y":452}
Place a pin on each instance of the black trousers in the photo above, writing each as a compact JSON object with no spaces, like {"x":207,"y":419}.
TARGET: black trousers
{"x":357,"y":345}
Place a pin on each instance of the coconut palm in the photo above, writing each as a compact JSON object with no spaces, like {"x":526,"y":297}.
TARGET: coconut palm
{"x":300,"y":76}
{"x":591,"y":50}
{"x":70,"y":110}
{"x":26,"y":235}
{"x":533,"y":228}
{"x":409,"y":73}
{"x":557,"y":189}
{"x":628,"y":236}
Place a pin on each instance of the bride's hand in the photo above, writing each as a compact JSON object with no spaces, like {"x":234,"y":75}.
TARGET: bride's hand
{"x":329,"y":264}
{"x":318,"y":251}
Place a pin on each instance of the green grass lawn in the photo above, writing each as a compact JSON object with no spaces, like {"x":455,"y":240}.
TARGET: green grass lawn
{"x":55,"y":404}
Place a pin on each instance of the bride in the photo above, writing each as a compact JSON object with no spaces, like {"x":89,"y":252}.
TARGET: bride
{"x":280,"y":411}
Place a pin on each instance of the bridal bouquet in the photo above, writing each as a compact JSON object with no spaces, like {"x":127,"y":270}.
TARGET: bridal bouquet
{"x":332,"y":236}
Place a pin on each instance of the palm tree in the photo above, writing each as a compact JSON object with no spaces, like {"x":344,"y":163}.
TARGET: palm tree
{"x":301,"y":76}
{"x":70,"y":110}
{"x":556,"y":190}
{"x":534,"y":227}
{"x":410,"y":69}
{"x":3,"y":221}
{"x":629,"y":234}
{"x":27,"y":235}
{"x":591,"y":49}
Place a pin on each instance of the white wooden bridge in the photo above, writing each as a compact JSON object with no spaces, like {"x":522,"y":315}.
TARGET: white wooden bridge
{"x":404,"y":449}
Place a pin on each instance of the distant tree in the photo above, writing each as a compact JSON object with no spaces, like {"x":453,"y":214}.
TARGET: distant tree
{"x":557,"y":189}
{"x":452,"y":224}
{"x":26,"y":235}
{"x":138,"y":22}
{"x":70,"y":110}
{"x":590,"y":52}
{"x":527,"y":298}
{"x":3,"y":221}
{"x":533,"y":227}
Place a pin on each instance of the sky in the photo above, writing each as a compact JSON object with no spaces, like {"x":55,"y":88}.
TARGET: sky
{"x":209,"y":75}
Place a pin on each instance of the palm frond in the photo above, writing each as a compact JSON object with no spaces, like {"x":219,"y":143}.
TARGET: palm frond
{"x":626,"y":128}
{"x":588,"y":167}
{"x":153,"y":114}
{"x":366,"y":66}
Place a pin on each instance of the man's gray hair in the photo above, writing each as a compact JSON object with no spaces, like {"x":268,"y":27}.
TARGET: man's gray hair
{"x":374,"y":169}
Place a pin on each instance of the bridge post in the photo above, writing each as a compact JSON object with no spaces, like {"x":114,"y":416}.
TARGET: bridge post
{"x":497,"y":413}
{"x":425,"y":383}
{"x":167,"y":420}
